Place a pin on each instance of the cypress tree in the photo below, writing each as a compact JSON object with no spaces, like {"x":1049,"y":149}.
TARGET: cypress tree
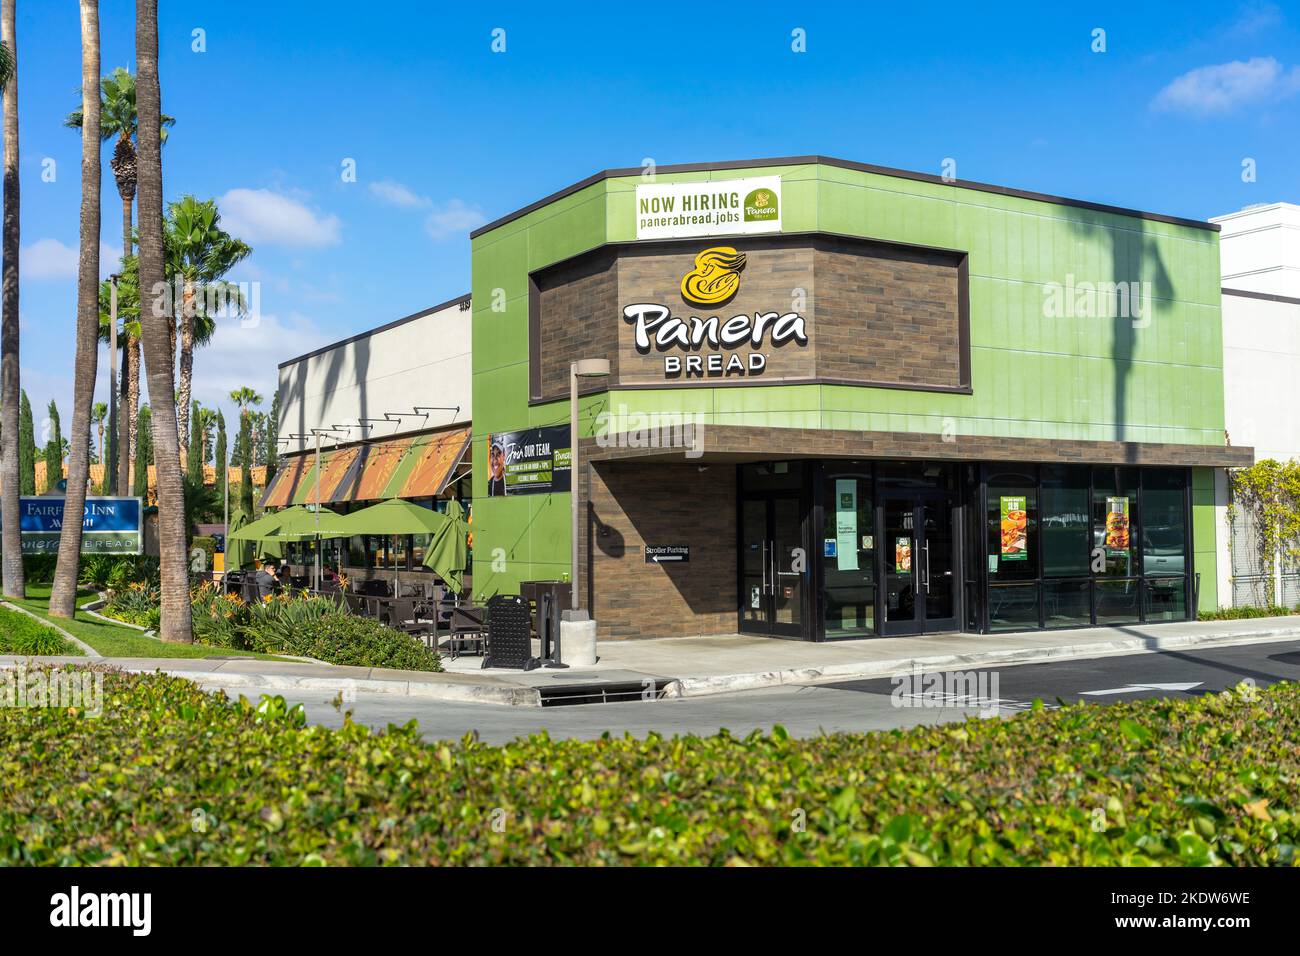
{"x":194,"y":454}
{"x":243,"y":449}
{"x":26,"y":448}
{"x":53,"y":449}
{"x":270,"y":448}
{"x":219,"y":455}
{"x":143,"y":452}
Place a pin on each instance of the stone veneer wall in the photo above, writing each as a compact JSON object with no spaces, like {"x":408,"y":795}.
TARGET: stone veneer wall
{"x":638,"y":503}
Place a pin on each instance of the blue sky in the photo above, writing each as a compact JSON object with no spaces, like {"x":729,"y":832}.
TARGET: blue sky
{"x":447,"y":134}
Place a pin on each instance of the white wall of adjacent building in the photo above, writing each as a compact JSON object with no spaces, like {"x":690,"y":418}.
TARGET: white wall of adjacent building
{"x":423,"y":360}
{"x":1259,"y":255}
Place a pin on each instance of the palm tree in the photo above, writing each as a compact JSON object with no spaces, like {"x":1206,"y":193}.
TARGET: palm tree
{"x":63,"y":595}
{"x":174,"y":572}
{"x":10,"y":475}
{"x":245,"y":398}
{"x":118,"y":119}
{"x":199,"y":253}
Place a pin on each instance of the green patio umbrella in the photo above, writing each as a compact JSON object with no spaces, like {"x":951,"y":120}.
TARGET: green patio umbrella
{"x":448,"y":552}
{"x":394,"y":516}
{"x":291,"y":524}
{"x":239,"y":553}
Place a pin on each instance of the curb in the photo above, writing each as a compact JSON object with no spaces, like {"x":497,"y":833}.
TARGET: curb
{"x":510,"y":696}
{"x":729,"y":683}
{"x":85,"y":648}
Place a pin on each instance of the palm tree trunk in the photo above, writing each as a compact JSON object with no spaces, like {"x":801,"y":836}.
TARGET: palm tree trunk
{"x":155,"y":337}
{"x":120,"y":458}
{"x":186,"y":377}
{"x":12,"y":560}
{"x":63,"y":595}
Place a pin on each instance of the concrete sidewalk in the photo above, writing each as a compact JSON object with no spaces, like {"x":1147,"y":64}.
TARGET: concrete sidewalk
{"x":696,"y":667}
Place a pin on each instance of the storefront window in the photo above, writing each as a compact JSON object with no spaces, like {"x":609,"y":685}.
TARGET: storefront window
{"x":1013,"y":607}
{"x":1167,"y":599}
{"x":1115,"y":521}
{"x":1065,"y":521}
{"x":1164,"y":521}
{"x":1012,"y":521}
{"x":1067,"y":603}
{"x":848,"y":552}
{"x":1117,"y":601}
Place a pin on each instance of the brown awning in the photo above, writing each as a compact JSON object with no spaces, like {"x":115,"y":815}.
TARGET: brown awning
{"x":418,"y":466}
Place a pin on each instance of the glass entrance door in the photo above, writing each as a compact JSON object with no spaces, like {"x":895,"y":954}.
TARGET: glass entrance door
{"x":773,"y":565}
{"x":920,"y":593}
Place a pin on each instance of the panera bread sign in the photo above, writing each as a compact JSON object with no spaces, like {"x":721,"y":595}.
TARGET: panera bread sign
{"x":729,"y":207}
{"x":702,"y":341}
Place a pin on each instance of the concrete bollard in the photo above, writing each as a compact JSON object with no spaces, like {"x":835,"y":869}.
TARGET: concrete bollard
{"x":578,"y":643}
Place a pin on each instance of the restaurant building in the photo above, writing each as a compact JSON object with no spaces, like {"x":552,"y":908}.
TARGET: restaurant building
{"x":1260,"y":263}
{"x":383,"y":414}
{"x":846,"y":401}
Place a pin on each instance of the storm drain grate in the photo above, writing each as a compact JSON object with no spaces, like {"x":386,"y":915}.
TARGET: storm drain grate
{"x":572,"y":695}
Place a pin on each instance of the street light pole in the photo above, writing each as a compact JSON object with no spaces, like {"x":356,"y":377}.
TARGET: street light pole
{"x":583,"y":368}
{"x":110,"y":461}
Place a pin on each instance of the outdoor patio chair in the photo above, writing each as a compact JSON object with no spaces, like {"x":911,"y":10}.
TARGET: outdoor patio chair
{"x":467,"y":625}
{"x":357,"y":605}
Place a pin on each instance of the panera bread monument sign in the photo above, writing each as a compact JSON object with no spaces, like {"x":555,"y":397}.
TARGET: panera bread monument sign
{"x":701,"y":343}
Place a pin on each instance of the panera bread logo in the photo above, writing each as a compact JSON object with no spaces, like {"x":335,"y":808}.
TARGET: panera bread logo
{"x":761,"y":206}
{"x":713,"y":282}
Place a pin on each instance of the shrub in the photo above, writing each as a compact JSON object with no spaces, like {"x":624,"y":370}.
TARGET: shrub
{"x":102,"y":571}
{"x":19,"y":634}
{"x":1203,"y":781}
{"x":39,"y":568}
{"x":341,"y":638}
{"x":139,"y":603}
{"x":275,"y":625}
{"x":1242,"y":613}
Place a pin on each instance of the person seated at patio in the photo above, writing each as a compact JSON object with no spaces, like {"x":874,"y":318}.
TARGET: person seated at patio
{"x":264,"y":578}
{"x":283,"y":578}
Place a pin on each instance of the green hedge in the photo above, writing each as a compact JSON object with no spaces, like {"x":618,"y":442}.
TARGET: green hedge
{"x":173,"y":775}
{"x":1242,"y":613}
{"x":19,"y":634}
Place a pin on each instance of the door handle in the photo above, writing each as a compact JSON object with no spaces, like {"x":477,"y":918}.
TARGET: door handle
{"x":926,"y":582}
{"x":765,"y":590}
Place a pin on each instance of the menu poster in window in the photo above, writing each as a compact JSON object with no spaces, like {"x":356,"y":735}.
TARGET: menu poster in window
{"x":846,"y":524}
{"x":1117,"y":526}
{"x":531,"y":462}
{"x":902,"y":555}
{"x":1015,"y":533}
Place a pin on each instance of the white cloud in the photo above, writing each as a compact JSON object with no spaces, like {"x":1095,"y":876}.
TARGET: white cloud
{"x":1253,"y":20}
{"x":453,"y":219}
{"x":247,"y":354}
{"x":395,"y":194}
{"x":47,"y":259}
{"x":263,"y":216}
{"x":1224,"y":87}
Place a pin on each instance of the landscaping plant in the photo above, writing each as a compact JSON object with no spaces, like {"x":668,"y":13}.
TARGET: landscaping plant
{"x":171,"y":774}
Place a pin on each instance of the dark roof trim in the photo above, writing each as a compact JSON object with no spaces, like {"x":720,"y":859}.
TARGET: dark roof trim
{"x":383,"y":328}
{"x":845,"y":164}
{"x":1268,"y":296}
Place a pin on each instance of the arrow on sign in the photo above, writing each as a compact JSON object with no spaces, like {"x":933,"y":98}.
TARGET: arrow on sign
{"x":1135,"y":688}
{"x":665,"y":557}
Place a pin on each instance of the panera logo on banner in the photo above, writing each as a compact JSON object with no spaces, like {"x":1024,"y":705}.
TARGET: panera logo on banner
{"x":712,"y":345}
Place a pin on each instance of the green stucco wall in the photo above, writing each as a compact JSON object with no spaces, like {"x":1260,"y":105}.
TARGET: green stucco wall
{"x":1057,"y":378}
